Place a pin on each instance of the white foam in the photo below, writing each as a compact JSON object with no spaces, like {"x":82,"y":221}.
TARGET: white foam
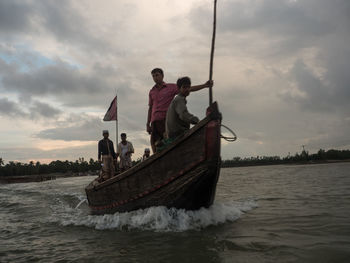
{"x":157,"y":218}
{"x":81,"y":202}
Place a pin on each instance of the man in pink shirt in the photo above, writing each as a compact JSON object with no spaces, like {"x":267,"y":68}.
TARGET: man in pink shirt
{"x":160,"y":97}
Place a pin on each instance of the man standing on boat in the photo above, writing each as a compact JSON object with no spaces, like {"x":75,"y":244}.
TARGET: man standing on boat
{"x":106,"y":150}
{"x":160,"y":97}
{"x":178,"y":119}
{"x":124,"y":151}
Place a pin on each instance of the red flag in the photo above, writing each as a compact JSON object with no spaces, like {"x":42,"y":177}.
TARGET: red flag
{"x":111,"y":114}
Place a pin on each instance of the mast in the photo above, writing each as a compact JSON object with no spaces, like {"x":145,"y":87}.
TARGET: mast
{"x":212,"y":55}
{"x":116,"y":121}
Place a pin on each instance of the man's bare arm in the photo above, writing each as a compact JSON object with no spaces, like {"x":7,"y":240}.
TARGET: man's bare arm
{"x":148,"y":124}
{"x":202,"y":86}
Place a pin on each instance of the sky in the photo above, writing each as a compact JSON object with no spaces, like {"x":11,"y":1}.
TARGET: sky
{"x":281,"y":72}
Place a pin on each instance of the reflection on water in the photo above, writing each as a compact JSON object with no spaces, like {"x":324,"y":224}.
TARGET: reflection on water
{"x":261,"y":214}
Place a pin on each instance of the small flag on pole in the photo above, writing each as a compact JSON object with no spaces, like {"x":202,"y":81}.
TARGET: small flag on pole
{"x":111,"y":114}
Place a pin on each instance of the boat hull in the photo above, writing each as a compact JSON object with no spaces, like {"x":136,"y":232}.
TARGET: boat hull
{"x":184,"y":175}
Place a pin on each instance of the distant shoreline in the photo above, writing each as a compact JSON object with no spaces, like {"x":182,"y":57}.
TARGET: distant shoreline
{"x":41,"y":177}
{"x":247,"y":164}
{"x":53,"y":176}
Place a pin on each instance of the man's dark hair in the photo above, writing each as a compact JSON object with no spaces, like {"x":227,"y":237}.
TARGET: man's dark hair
{"x":123,"y":134}
{"x":183,"y":81}
{"x":157,"y":70}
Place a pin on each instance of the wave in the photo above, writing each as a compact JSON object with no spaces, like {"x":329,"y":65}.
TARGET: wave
{"x":159,"y":219}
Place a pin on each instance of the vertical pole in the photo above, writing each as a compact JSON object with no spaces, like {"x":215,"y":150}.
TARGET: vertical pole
{"x":212,"y":55}
{"x":116,"y":131}
{"x":116,"y":121}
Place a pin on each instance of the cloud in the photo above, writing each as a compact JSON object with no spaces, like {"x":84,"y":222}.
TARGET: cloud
{"x":61,"y":20}
{"x":25,"y":154}
{"x":40,"y":109}
{"x":15,"y":16}
{"x":35,"y":110}
{"x":276,"y":35}
{"x":60,"y":80}
{"x":280,"y":68}
{"x":319,"y":93}
{"x":10,"y":108}
{"x":75,"y":128}
{"x":273,"y":17}
{"x":76,"y":89}
{"x":313,"y":94}
{"x":270,"y":28}
{"x":301,"y":43}
{"x":85,"y":127}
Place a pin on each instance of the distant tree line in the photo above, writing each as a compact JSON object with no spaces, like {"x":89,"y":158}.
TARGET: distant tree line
{"x":303,"y":157}
{"x":36,"y":168}
{"x":31,"y":168}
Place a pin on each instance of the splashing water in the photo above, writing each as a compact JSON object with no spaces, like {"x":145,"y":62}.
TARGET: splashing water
{"x":160,"y":219}
{"x":81,"y":202}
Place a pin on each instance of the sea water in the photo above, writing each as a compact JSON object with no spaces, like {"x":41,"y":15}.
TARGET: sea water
{"x":281,"y":213}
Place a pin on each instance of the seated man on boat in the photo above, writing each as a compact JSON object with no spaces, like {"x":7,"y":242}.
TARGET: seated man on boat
{"x":146,"y":154}
{"x":160,"y":97}
{"x":124,"y":151}
{"x":106,"y":151}
{"x":178,"y":119}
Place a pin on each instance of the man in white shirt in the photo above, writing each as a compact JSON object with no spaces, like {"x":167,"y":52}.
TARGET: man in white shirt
{"x":124,"y":152}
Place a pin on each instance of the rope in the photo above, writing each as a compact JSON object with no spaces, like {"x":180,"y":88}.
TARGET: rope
{"x":229,"y":139}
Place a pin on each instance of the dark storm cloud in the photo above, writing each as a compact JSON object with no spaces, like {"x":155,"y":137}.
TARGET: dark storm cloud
{"x":57,"y":18}
{"x":62,"y":20}
{"x":67,"y":83}
{"x":72,"y":87}
{"x":273,"y":31}
{"x":85,"y":128}
{"x":316,"y":96}
{"x":275,"y":17}
{"x":35,"y":110}
{"x":58,"y":78}
{"x":328,"y":92}
{"x":39,"y":109}
{"x":15,"y":16}
{"x":337,"y":76}
{"x":10,"y":109}
{"x":272,"y":28}
{"x":7,"y":69}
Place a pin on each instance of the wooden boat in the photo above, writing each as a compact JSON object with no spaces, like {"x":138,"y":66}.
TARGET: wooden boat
{"x":184,"y":175}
